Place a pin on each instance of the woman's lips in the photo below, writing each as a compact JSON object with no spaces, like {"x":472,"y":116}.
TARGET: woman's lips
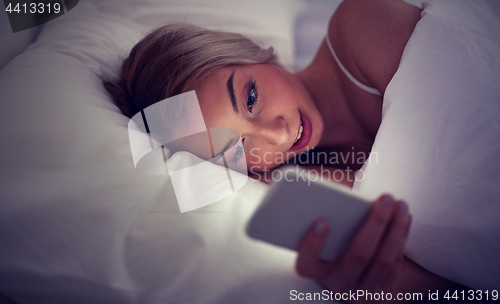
{"x":306,"y":132}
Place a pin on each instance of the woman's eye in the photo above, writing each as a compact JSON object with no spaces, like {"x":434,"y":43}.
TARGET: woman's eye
{"x":239,"y":152}
{"x":252,"y":97}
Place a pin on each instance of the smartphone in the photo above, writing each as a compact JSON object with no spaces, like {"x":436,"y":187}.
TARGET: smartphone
{"x":296,"y":200}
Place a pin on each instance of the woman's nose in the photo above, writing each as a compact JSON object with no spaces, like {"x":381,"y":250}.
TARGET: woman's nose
{"x":275,"y":133}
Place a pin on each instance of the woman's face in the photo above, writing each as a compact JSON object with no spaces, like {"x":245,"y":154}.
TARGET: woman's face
{"x":270,"y":108}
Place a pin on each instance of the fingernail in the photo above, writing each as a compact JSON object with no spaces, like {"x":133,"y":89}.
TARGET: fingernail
{"x":320,"y":227}
{"x":387,"y":200}
{"x":403,"y":207}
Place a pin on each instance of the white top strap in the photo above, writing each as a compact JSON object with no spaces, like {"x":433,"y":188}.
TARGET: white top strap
{"x":364,"y":87}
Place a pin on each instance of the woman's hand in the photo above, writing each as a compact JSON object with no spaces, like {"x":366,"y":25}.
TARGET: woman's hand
{"x":374,"y":259}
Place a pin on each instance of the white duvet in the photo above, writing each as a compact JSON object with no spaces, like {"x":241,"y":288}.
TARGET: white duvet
{"x":439,"y":141}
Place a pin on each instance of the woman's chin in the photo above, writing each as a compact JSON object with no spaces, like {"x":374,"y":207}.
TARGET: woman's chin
{"x":318,"y":127}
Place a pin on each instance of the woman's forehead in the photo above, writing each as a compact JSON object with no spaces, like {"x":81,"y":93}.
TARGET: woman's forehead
{"x":220,"y":76}
{"x":212,"y":84}
{"x":213,"y":96}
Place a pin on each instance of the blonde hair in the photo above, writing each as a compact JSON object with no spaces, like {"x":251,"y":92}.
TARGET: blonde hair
{"x":173,"y":58}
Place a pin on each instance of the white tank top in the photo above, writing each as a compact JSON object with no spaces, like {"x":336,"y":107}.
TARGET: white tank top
{"x":364,"y":87}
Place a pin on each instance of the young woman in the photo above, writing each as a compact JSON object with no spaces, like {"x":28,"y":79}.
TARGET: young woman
{"x":335,"y":103}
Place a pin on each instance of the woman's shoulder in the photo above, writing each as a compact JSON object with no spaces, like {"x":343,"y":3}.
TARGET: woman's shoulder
{"x":369,"y":37}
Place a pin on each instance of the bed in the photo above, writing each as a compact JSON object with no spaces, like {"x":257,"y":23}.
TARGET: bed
{"x":79,"y":224}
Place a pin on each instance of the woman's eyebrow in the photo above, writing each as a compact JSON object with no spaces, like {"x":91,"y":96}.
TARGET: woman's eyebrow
{"x":230,"y":90}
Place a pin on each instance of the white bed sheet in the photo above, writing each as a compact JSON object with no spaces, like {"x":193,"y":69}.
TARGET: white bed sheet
{"x":439,"y":142}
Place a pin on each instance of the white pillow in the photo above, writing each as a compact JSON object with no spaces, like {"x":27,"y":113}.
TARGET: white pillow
{"x":438,"y":145}
{"x":269,"y":23}
{"x":78,"y":222}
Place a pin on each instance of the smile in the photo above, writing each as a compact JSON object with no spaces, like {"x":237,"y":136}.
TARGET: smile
{"x":304,"y":132}
{"x":300,"y":132}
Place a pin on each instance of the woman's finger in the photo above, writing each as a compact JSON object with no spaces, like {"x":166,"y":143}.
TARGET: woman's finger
{"x":308,"y":261}
{"x":391,"y":249}
{"x":366,"y":243}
